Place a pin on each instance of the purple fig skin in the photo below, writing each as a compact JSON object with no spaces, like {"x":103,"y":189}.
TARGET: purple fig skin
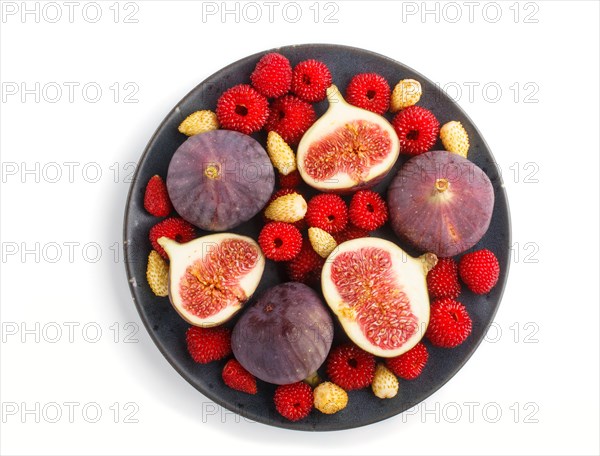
{"x":219,"y":179}
{"x":441,"y":203}
{"x":285,"y":335}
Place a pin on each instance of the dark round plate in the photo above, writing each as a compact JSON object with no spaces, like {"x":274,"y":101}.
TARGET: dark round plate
{"x":167,"y":329}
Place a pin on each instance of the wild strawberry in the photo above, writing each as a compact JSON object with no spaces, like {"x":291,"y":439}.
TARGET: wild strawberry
{"x":369,"y":91}
{"x":442,"y":279}
{"x":208,"y":344}
{"x":328,"y":212}
{"x":409,"y":365}
{"x":449,"y":323}
{"x":406,"y":93}
{"x":385,"y":384}
{"x":417,"y":129}
{"x":156,"y":197}
{"x":199,"y":122}
{"x":329,"y":398}
{"x":455,"y":138}
{"x":272,"y":75}
{"x":157,"y":274}
{"x":321,"y":241}
{"x":350,"y":367}
{"x":479,"y":270}
{"x":174,"y":228}
{"x":290,"y":117}
{"x":281,"y":154}
{"x":280,"y":241}
{"x":307,"y":265}
{"x":236,"y":377}
{"x":288,"y":208}
{"x":294,"y":401}
{"x":310,"y":80}
{"x":242,"y":108}
{"x":368,"y":210}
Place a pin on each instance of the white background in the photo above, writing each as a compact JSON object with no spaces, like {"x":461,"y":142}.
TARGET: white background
{"x":539,"y":368}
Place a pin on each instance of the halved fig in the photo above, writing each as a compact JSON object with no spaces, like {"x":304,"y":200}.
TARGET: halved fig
{"x":220,"y":179}
{"x":379,"y":294}
{"x":210,"y":278}
{"x":347,"y":148}
{"x":441,"y":202}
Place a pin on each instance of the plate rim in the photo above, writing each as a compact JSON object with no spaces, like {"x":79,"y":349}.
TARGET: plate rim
{"x":217,"y":398}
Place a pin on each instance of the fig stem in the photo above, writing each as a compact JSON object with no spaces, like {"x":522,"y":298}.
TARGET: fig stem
{"x":441,"y":185}
{"x":334,"y":96}
{"x":429,"y":260}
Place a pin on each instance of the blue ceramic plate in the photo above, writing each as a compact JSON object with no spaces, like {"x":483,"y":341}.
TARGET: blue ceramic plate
{"x":167,"y":329}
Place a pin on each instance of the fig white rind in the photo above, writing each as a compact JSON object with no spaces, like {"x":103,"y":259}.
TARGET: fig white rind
{"x":410,"y":279}
{"x":181,"y":256}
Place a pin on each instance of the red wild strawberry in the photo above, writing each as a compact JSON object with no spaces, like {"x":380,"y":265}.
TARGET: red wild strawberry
{"x":242,"y":109}
{"x":479,"y":270}
{"x":208,"y":344}
{"x":307,"y":265}
{"x":280,"y":241}
{"x":369,"y":91}
{"x":328,"y":212}
{"x":349,"y":233}
{"x":442,"y":280}
{"x":368,"y":210}
{"x":236,"y":377}
{"x":417,"y":129}
{"x":310,"y":80}
{"x":410,"y":364}
{"x":272,"y":75}
{"x":290,"y":117}
{"x":292,"y":180}
{"x":174,"y":228}
{"x":156,"y":197}
{"x":350,"y":367}
{"x":449,"y":323}
{"x":294,"y":401}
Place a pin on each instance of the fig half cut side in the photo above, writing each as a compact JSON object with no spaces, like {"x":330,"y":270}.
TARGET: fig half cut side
{"x":210,"y":278}
{"x":379,"y":294}
{"x":347,"y":148}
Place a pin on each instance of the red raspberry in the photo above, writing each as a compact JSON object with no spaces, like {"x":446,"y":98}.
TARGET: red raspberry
{"x":442,"y":280}
{"x":449,"y":323}
{"x":290,"y":117}
{"x":328,"y":212}
{"x":350,"y":367}
{"x":410,"y":364}
{"x":479,"y":270}
{"x":368,"y":210}
{"x":156,"y":197}
{"x":236,"y":377}
{"x":310,"y":80}
{"x":349,"y":233}
{"x":294,"y":401}
{"x":208,"y":344}
{"x":306,"y":267}
{"x":272,"y":75}
{"x":280,"y":241}
{"x":369,"y":91}
{"x":242,"y":109}
{"x":417,"y":129}
{"x":174,"y":228}
{"x":292,"y":180}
